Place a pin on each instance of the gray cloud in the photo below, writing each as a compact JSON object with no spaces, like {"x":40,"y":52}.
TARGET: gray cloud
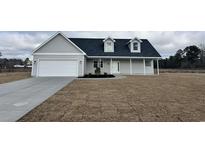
{"x":21,"y":44}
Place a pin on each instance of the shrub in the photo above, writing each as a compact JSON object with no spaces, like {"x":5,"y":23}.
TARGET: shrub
{"x":97,"y":70}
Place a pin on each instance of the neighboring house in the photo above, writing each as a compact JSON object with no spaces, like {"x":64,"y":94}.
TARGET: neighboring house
{"x":19,"y":66}
{"x":63,"y":56}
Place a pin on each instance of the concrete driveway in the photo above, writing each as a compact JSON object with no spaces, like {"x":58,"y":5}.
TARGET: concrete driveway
{"x":19,"y":97}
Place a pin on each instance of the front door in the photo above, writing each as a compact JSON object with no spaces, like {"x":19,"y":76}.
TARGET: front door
{"x":115,"y":67}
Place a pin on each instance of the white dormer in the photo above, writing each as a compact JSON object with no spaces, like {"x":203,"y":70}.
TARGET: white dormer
{"x":109,"y":44}
{"x":135,"y":45}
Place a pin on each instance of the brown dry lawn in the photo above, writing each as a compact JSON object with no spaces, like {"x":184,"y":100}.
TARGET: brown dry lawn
{"x":168,"y":97}
{"x":13,"y":76}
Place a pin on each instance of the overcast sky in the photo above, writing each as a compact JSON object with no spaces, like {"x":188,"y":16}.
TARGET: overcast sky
{"x":21,"y":44}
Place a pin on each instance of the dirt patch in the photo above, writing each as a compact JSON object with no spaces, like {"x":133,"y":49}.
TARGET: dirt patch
{"x":168,"y":97}
{"x":8,"y":77}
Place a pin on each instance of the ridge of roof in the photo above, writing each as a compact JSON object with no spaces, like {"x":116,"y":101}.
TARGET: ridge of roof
{"x":102,"y":38}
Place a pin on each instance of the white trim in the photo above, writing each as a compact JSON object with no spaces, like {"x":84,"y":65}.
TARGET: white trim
{"x":61,"y":58}
{"x":83,"y":66}
{"x":130,"y":66}
{"x":153,"y":66}
{"x":32,"y":68}
{"x":109,"y":48}
{"x":132,"y":47}
{"x":135,"y":39}
{"x":157,"y":67}
{"x":37,"y":67}
{"x":72,"y":43}
{"x":59,"y":54}
{"x":109,"y":38}
{"x":52,"y":37}
{"x":117,"y":66}
{"x":41,"y":45}
{"x":111,"y":66}
{"x":144,"y":66}
{"x":123,"y":57}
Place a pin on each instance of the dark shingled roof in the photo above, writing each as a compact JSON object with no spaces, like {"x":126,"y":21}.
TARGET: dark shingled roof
{"x":95,"y":47}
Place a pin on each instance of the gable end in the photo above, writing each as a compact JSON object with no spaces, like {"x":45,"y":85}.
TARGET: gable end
{"x":58,"y":43}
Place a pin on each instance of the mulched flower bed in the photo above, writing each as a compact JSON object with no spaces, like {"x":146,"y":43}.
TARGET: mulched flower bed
{"x":98,"y":76}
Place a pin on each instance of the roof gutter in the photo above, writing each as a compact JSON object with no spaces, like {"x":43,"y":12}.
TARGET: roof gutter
{"x":123,"y":57}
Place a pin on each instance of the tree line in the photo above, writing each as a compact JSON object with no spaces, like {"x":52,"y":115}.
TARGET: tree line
{"x":6,"y":63}
{"x":190,"y":57}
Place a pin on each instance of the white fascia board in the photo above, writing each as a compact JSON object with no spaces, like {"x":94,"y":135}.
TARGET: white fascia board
{"x":72,"y":43}
{"x":136,"y":38}
{"x":59,"y":54}
{"x":109,"y":38}
{"x":54,"y":37}
{"x":48,"y":40}
{"x":124,"y":57}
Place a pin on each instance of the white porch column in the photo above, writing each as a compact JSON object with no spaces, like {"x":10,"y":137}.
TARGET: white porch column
{"x":157,"y":67}
{"x":144,"y":66}
{"x":83,"y":66}
{"x":99,"y":61}
{"x":37,"y":69}
{"x":111,"y":66}
{"x":130,"y":66}
{"x":32,"y":68}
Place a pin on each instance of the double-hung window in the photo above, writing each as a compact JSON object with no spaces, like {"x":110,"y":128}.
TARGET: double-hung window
{"x":95,"y":64}
{"x":135,"y":46}
{"x":98,"y":64}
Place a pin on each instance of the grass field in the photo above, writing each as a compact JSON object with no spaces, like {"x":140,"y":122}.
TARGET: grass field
{"x":13,"y":76}
{"x":168,"y":97}
{"x":181,"y":70}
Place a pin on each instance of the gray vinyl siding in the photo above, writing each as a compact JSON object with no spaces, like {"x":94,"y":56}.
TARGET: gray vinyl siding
{"x":137,"y":66}
{"x":150,"y":69}
{"x":84,"y":62}
{"x":124,"y":66}
{"x":89,"y":66}
{"x":106,"y":66}
{"x":58,"y":45}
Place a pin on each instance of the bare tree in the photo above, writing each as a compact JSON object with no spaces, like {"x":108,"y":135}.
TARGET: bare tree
{"x":26,"y":62}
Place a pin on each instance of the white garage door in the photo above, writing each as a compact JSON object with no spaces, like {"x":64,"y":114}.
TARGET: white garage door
{"x":58,"y":68}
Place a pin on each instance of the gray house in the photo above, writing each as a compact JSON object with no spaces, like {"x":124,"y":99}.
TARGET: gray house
{"x":63,"y":56}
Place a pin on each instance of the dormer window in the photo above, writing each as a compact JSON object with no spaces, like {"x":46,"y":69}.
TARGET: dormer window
{"x":135,"y":45}
{"x":109,"y":44}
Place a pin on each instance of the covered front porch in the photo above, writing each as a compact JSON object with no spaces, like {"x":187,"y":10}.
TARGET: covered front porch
{"x":126,"y":66}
